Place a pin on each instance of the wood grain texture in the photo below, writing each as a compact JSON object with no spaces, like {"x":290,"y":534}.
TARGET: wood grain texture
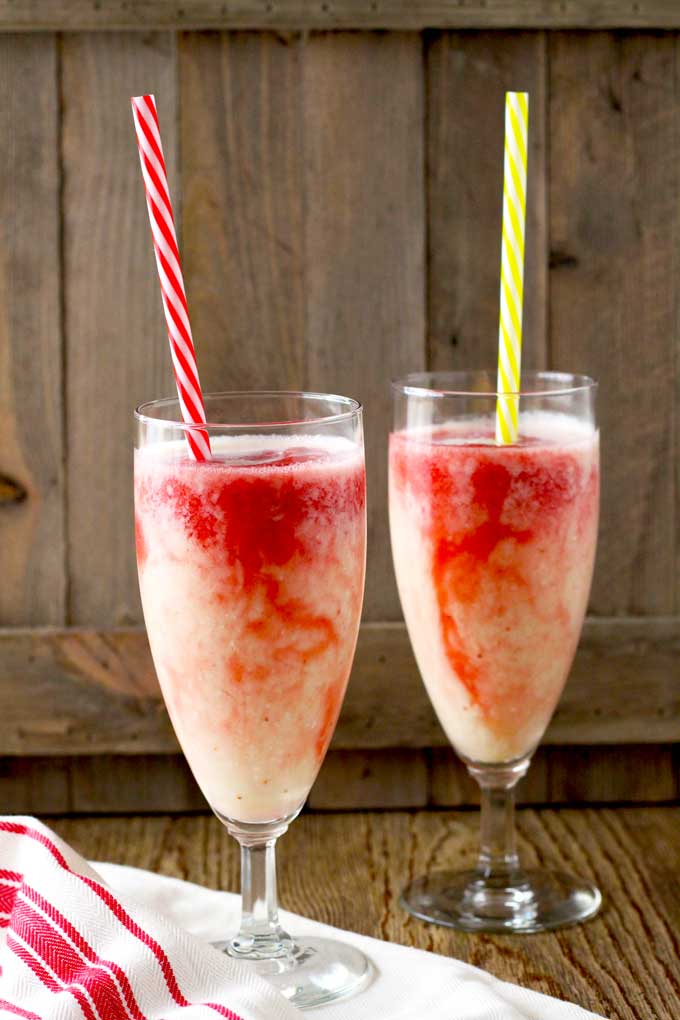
{"x":371,"y":779}
{"x":364,"y":237}
{"x":59,"y":15}
{"x":115,"y":783}
{"x":570,"y":775}
{"x":613,"y":295}
{"x":394,"y":778}
{"x":32,"y":557}
{"x":89,"y":692}
{"x":116,"y":343}
{"x":82,"y":691}
{"x":592,"y":775}
{"x":242,"y":173}
{"x":97,"y":784}
{"x":452,"y":786}
{"x":35,"y":786}
{"x":624,"y":964}
{"x":467,"y":77}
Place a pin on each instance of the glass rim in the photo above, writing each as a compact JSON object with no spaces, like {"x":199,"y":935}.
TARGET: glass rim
{"x":354,"y":408}
{"x":414,"y":384}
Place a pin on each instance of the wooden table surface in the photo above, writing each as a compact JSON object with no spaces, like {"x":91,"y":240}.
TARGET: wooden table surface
{"x":347,"y":869}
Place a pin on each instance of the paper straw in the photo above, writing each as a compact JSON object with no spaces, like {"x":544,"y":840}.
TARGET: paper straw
{"x":170,"y":273}
{"x":512,"y":265}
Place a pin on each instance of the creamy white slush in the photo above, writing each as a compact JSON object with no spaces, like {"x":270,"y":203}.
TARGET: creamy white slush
{"x":251,"y":570}
{"x":493,"y":550}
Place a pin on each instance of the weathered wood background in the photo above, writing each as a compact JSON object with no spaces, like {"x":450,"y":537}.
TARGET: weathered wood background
{"x":338,"y":196}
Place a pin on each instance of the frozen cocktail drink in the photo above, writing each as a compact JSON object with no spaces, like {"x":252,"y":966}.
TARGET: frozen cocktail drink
{"x":251,"y":569}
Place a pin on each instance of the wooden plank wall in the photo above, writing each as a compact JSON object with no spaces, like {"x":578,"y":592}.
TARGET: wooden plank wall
{"x":339,"y":201}
{"x":349,"y":780}
{"x":111,"y":15}
{"x":32,"y":478}
{"x":613,"y":240}
{"x":115,"y":346}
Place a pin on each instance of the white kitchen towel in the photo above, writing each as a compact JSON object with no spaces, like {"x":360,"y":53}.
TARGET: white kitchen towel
{"x":105,"y":942}
{"x":409,"y":984}
{"x":71,"y":948}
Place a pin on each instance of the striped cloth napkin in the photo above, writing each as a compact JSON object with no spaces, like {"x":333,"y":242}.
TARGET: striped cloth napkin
{"x":113,"y":943}
{"x":72,"y":950}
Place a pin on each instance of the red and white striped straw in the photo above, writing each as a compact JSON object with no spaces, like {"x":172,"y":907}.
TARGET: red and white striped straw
{"x":170,"y":272}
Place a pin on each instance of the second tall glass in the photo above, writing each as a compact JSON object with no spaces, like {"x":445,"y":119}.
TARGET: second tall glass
{"x":493,"y":550}
{"x":251,"y":571}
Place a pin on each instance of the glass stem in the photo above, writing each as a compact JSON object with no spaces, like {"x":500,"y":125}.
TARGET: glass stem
{"x":498,"y":860}
{"x":260,"y":935}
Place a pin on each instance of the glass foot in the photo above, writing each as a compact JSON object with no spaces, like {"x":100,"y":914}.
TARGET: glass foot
{"x":311,"y":971}
{"x":534,"y":901}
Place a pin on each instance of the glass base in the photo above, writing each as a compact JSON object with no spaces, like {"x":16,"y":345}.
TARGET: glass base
{"x":533,"y":901}
{"x":311,"y":972}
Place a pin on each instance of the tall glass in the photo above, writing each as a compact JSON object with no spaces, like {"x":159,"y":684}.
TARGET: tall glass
{"x":493,"y":550}
{"x":251,"y":570}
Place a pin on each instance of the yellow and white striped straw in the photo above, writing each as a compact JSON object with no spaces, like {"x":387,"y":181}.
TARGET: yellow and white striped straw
{"x":512,"y":265}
